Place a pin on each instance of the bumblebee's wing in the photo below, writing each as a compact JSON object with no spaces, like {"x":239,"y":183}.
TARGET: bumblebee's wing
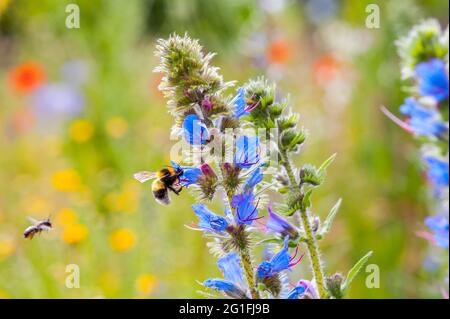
{"x":144,"y":176}
{"x":32,"y":220}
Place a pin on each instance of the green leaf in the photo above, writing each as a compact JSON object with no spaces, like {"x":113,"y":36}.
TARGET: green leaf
{"x":326,"y":226}
{"x":327,"y":163}
{"x":355,"y":270}
{"x":306,"y":200}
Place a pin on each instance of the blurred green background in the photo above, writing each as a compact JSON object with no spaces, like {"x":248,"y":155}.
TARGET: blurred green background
{"x":74,"y":161}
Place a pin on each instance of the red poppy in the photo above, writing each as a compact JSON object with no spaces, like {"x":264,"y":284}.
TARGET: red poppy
{"x":27,"y":77}
{"x":278,"y":52}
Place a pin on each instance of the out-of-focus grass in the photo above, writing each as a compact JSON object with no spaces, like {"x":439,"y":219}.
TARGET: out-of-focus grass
{"x":108,"y":224}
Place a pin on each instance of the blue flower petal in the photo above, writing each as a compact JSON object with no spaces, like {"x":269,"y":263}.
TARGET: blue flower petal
{"x":239,"y":103}
{"x":190,"y":174}
{"x":195,"y":131}
{"x":246,"y":211}
{"x":433,"y":79}
{"x":247,"y":151}
{"x":209,"y":222}
{"x":231,"y":268}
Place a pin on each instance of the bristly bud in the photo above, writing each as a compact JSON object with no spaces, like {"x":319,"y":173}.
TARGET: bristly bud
{"x":291,"y":139}
{"x":207,"y":182}
{"x":231,"y":178}
{"x":239,"y":238}
{"x":188,"y":76}
{"x":334,"y":284}
{"x":310,"y":175}
{"x":424,"y":42}
{"x":273,"y":284}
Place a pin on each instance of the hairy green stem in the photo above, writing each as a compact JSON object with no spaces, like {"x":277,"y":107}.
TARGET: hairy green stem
{"x":246,"y":259}
{"x":310,"y":239}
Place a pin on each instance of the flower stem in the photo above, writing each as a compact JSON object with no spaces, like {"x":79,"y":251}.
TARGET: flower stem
{"x":311,"y":243}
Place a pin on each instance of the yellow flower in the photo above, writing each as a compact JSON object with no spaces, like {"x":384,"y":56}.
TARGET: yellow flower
{"x":122,"y":240}
{"x":75,"y":233}
{"x":116,"y":126}
{"x":7,"y":248}
{"x":4,"y":294}
{"x":145,"y":284}
{"x":3,"y":5}
{"x":66,"y":180}
{"x":81,"y":130}
{"x":66,"y":217}
{"x":37,"y":205}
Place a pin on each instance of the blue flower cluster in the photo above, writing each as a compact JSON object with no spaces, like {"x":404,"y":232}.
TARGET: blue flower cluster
{"x":427,"y":115}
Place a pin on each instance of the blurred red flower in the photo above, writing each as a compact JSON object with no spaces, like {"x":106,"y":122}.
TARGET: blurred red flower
{"x":278,"y":52}
{"x":27,"y":77}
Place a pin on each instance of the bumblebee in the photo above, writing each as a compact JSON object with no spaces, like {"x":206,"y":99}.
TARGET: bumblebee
{"x":165,"y":180}
{"x":37,"y":227}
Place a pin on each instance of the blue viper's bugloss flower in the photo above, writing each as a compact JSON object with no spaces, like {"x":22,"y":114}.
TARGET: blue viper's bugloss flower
{"x":195,"y":131}
{"x":224,"y":286}
{"x":255,"y":178}
{"x":57,"y":100}
{"x":296,"y":292}
{"x":190,"y":174}
{"x":277,"y":224}
{"x":439,"y":225}
{"x":433,"y":79}
{"x":239,"y":103}
{"x":230,"y":265}
{"x":247,"y":151}
{"x":304,"y":287}
{"x":279,"y":262}
{"x":233,"y":284}
{"x":246,"y":210}
{"x":437,"y":171}
{"x":209,"y":222}
{"x":423,"y":121}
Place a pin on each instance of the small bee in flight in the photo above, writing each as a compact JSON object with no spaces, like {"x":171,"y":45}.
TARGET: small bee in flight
{"x":37,"y":227}
{"x":166,"y":179}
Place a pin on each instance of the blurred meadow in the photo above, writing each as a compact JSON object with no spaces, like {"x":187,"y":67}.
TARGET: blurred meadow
{"x":69,"y":149}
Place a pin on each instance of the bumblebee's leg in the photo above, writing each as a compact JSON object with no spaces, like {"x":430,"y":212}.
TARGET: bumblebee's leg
{"x":177,"y":192}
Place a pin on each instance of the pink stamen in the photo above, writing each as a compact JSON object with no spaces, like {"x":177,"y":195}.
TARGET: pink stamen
{"x":296,"y":262}
{"x":396,"y":120}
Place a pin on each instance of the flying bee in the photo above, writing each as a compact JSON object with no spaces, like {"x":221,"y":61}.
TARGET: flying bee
{"x":165,"y":180}
{"x":37,"y":227}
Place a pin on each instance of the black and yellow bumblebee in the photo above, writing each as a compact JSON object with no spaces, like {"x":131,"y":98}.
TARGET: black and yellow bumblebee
{"x":166,"y":179}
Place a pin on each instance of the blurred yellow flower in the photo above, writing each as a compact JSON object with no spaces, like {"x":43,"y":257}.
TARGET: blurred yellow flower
{"x":7,"y":248}
{"x":116,"y":126}
{"x":122,"y":240}
{"x":66,"y":217}
{"x":81,"y":130}
{"x":67,"y":180}
{"x":75,"y":233}
{"x":145,"y":284}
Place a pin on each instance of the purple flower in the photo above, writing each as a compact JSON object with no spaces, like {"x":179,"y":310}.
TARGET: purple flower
{"x":281,"y":261}
{"x":246,"y":211}
{"x":304,"y":287}
{"x":209,"y":222}
{"x":433,"y":79}
{"x":439,"y":225}
{"x":190,"y":174}
{"x":437,"y":171}
{"x":57,"y":100}
{"x":247,"y":151}
{"x":279,"y":225}
{"x":195,"y":131}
